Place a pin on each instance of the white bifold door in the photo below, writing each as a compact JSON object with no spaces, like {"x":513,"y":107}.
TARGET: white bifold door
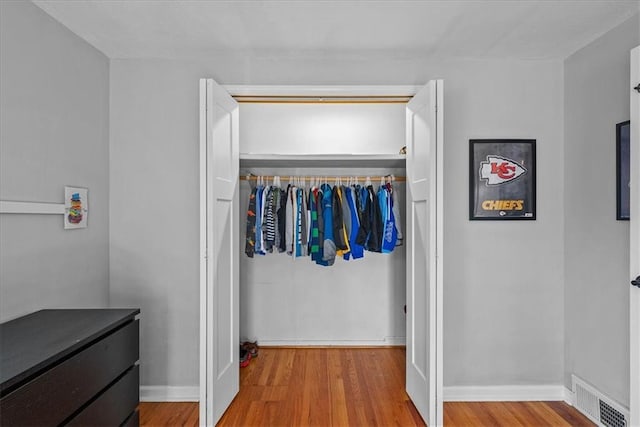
{"x":634,"y":291}
{"x":219,"y":236}
{"x":424,"y":137}
{"x":219,"y":216}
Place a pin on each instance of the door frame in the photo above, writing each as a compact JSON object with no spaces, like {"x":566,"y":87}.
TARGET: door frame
{"x":202,"y":254}
{"x":205,"y":172}
{"x":634,"y":242}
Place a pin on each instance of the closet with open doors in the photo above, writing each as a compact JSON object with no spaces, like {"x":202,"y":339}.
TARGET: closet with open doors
{"x":320,"y":133}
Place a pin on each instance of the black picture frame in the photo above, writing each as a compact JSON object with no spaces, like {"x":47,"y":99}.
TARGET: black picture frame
{"x":502,"y":179}
{"x":623,"y":170}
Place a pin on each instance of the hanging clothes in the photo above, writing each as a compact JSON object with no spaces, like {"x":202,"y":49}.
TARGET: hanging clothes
{"x":322,"y":222}
{"x":339,"y":235}
{"x":314,"y":236}
{"x":319,"y":195}
{"x":282,"y":217}
{"x":356,"y":250}
{"x":364,"y":206}
{"x":329,"y":246}
{"x":382,"y":203}
{"x":307,"y":204}
{"x":259,"y":207}
{"x":290,"y":221}
{"x":396,"y":214}
{"x":375,"y":237}
{"x":370,"y":233}
{"x":250,"y":238}
{"x":300,"y":246}
{"x":269,"y":226}
{"x":263,"y":229}
{"x":276,"y":217}
{"x":346,"y":209}
{"x":304,"y":228}
{"x":389,"y":235}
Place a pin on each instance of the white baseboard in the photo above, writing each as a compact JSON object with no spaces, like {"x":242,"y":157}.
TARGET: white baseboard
{"x":158,"y":393}
{"x":507,"y":393}
{"x":387,"y":341}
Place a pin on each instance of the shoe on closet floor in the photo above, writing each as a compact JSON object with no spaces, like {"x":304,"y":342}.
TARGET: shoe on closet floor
{"x":251,"y":347}
{"x":245,"y":357}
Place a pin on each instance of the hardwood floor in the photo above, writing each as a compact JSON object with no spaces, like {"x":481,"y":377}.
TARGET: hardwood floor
{"x":346,"y":387}
{"x":508,"y":414}
{"x":169,"y":414}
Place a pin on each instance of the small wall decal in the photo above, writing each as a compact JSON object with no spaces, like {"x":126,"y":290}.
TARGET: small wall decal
{"x":76,"y":207}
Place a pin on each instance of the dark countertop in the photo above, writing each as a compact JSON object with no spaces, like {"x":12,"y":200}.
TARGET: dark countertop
{"x":33,"y":342}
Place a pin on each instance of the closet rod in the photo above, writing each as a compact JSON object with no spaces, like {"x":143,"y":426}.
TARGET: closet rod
{"x":345,"y":178}
{"x":323,"y":100}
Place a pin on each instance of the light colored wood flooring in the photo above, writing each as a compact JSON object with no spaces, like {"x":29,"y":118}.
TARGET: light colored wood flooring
{"x":346,"y":387}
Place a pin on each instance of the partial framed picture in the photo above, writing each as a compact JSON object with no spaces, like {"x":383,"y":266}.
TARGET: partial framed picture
{"x":623,"y":170}
{"x":502,"y":179}
{"x":76,"y":207}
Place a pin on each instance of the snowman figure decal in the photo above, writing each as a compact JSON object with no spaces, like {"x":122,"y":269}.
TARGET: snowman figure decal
{"x":75,"y":211}
{"x":76,"y":207}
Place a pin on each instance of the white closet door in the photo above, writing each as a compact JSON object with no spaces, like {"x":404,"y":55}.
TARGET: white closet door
{"x":635,"y":240}
{"x":219,"y":217}
{"x":424,"y":256}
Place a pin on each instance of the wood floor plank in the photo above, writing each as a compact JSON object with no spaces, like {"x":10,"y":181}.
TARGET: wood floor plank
{"x":547,"y":414}
{"x":284,"y":367}
{"x":169,"y":414}
{"x":568,"y":413}
{"x":504,"y":414}
{"x":346,"y":387}
{"x":523,"y":414}
{"x":339,"y":414}
{"x":315,"y":390}
{"x":267,"y":362}
{"x":478,"y":414}
{"x":374,"y":382}
{"x":357,"y":410}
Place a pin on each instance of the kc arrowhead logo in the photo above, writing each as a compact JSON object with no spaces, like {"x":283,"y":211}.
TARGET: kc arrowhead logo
{"x":498,"y":170}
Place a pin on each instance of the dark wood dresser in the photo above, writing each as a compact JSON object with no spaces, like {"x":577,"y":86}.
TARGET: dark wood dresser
{"x":70,"y":367}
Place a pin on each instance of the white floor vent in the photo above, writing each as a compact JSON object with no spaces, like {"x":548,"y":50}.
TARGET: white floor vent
{"x":598,"y":407}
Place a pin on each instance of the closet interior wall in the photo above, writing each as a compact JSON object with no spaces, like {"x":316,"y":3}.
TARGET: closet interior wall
{"x":286,"y":301}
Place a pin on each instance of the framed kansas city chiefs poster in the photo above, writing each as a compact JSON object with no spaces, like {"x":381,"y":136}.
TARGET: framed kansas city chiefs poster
{"x":502,"y":179}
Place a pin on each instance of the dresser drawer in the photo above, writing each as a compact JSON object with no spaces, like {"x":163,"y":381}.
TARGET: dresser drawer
{"x":114,"y":405}
{"x":50,"y":399}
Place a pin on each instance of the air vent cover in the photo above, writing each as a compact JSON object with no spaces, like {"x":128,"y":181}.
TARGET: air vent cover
{"x":598,"y":407}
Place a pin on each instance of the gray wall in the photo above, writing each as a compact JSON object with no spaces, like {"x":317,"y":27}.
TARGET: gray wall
{"x":154,"y":217}
{"x":503,"y":281}
{"x":54,"y":131}
{"x":596,"y":83}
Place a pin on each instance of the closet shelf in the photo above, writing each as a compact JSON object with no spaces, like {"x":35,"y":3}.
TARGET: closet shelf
{"x":249,"y":160}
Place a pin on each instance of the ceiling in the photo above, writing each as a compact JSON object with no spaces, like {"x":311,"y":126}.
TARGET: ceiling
{"x":341,"y":29}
